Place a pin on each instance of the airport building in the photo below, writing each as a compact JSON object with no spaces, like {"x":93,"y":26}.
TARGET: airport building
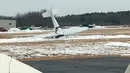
{"x":8,"y":23}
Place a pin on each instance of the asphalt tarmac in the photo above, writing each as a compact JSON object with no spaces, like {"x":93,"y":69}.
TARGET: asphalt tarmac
{"x":88,"y":65}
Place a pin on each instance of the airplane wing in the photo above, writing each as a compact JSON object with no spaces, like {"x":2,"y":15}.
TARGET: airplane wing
{"x":10,"y":65}
{"x":48,"y":35}
{"x":73,"y":30}
{"x":128,"y":69}
{"x":69,"y":31}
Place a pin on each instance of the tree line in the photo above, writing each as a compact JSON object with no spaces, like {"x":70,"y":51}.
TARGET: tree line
{"x":99,"y":18}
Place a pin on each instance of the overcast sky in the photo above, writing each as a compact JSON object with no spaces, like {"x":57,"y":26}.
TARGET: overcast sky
{"x":12,"y":7}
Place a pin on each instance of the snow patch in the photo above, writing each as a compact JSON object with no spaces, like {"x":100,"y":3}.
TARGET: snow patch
{"x":42,"y":38}
{"x":98,"y":37}
{"x":117,"y":44}
{"x":13,"y":30}
{"x":18,"y":51}
{"x":127,"y":54}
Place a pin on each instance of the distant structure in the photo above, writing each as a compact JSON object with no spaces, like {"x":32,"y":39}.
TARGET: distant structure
{"x":7,"y":23}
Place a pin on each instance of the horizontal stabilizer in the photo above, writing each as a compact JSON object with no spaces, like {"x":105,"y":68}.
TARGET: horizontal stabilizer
{"x":55,"y":11}
{"x":48,"y":13}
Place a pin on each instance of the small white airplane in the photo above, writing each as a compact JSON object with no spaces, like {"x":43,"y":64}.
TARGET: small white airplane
{"x":10,"y":65}
{"x":58,"y":31}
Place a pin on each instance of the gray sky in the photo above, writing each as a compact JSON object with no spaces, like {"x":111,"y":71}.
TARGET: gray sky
{"x":12,"y":7}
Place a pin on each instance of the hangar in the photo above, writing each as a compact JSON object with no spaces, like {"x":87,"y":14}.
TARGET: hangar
{"x":7,"y":23}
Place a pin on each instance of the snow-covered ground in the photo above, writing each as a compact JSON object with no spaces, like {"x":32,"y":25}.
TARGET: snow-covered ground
{"x":99,"y":37}
{"x":37,"y":39}
{"x":118,"y":44}
{"x":16,"y":30}
{"x":93,"y":48}
{"x":100,"y":48}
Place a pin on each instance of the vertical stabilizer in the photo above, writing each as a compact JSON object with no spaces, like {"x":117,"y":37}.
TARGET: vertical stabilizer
{"x":51,"y":13}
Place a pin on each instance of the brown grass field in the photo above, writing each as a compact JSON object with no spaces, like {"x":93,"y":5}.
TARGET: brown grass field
{"x":106,"y":31}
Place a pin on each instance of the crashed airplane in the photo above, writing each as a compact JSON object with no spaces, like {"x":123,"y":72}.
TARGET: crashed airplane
{"x":59,"y":32}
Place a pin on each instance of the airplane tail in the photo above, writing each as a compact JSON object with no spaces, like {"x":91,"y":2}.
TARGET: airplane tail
{"x":51,"y":13}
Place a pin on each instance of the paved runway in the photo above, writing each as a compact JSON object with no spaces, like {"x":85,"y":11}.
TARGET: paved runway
{"x":89,"y":65}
